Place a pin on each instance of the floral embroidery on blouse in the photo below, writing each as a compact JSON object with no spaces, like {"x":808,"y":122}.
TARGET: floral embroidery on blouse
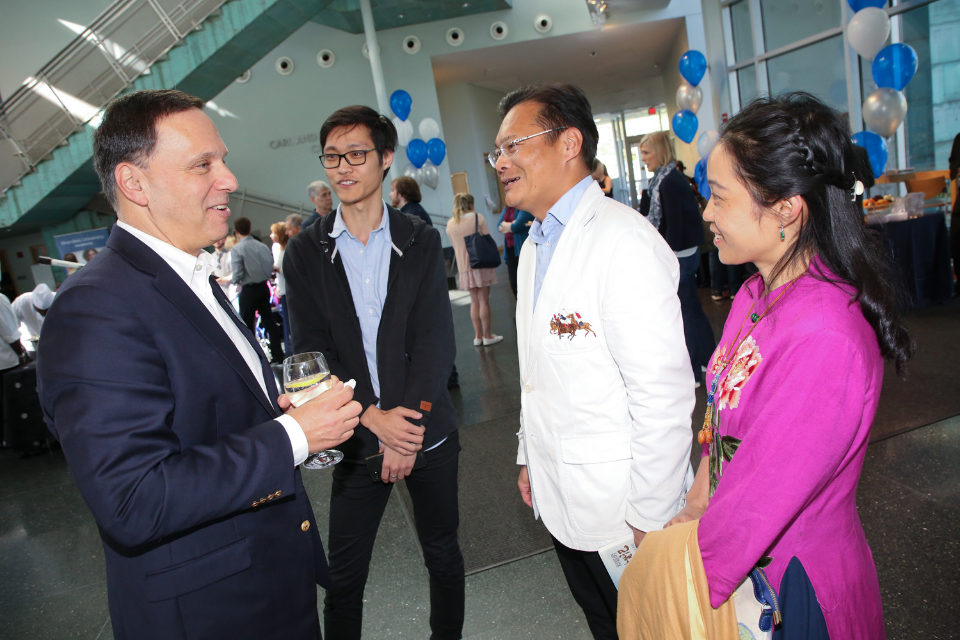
{"x":745,"y":363}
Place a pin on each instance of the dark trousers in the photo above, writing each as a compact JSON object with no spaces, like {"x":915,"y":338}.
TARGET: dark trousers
{"x":724,"y":277}
{"x":592,"y":588}
{"x":356,"y":507}
{"x":256,"y":298}
{"x":287,"y":336}
{"x":512,"y":263}
{"x":955,"y":244}
{"x":697,"y":331}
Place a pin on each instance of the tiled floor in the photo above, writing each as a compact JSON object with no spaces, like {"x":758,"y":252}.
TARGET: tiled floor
{"x":51,"y":562}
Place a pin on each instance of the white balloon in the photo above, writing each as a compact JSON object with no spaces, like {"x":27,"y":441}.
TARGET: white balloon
{"x":431,"y":175}
{"x":429,"y":129}
{"x":706,"y":141}
{"x":884,"y":110}
{"x":412,"y":172}
{"x":404,"y":131}
{"x":868,"y":30}
{"x":689,"y":97}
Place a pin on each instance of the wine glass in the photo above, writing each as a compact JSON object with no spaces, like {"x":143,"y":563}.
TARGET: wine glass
{"x":306,"y":376}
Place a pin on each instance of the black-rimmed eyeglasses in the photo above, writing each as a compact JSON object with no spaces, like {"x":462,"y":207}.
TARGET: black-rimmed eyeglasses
{"x":509,"y":149}
{"x":354,"y":158}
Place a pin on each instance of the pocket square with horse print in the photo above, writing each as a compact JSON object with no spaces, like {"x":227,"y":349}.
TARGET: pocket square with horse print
{"x":567,"y":324}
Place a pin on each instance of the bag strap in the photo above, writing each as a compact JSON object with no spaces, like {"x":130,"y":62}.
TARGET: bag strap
{"x":476,"y":221}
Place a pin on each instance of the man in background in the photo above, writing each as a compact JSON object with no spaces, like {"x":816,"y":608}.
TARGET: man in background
{"x":30,"y":309}
{"x":294,"y":224}
{"x":405,"y":195}
{"x":322,"y":199}
{"x":252,"y":265}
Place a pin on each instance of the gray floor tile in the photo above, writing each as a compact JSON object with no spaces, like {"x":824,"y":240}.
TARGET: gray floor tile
{"x":79,"y":613}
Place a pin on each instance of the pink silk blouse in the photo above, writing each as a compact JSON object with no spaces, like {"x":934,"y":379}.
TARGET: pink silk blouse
{"x":800,"y":394}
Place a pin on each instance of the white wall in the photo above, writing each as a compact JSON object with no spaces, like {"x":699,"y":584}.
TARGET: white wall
{"x":470,"y":117}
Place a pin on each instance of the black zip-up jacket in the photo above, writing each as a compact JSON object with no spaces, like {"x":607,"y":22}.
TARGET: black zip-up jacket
{"x":415,"y":341}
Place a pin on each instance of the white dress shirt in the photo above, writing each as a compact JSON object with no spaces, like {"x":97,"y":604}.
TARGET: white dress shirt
{"x":9,"y":333}
{"x":29,"y":319}
{"x":196,"y":271}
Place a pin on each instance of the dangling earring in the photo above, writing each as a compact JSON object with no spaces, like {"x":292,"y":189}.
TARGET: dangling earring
{"x":783,"y":236}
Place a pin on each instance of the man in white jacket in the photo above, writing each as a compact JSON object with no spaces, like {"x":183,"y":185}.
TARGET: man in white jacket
{"x":607,"y":388}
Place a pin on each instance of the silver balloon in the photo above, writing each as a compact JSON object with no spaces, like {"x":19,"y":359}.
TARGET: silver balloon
{"x":689,"y":97}
{"x":884,"y":110}
{"x":706,"y":142}
{"x":412,"y":172}
{"x":431,"y":175}
{"x":868,"y":30}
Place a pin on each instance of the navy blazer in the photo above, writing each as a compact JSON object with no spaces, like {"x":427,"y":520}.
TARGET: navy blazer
{"x":681,"y":224}
{"x":518,"y":228}
{"x":206,"y":527}
{"x":416,"y":209}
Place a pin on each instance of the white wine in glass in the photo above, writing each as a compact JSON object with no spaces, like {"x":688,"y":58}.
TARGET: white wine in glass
{"x":306,"y":376}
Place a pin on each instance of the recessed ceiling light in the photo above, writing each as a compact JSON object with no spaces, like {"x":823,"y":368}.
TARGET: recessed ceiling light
{"x":400,"y":16}
{"x":465,"y":5}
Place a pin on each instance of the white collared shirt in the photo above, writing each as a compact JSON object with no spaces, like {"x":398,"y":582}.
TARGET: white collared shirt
{"x":195,"y":271}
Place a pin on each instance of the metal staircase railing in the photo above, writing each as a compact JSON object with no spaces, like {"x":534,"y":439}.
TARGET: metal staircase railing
{"x":70,"y":91}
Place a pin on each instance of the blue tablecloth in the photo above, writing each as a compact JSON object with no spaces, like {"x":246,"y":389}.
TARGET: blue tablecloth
{"x":920,"y":247}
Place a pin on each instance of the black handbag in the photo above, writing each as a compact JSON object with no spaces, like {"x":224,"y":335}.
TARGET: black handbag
{"x":482,"y":249}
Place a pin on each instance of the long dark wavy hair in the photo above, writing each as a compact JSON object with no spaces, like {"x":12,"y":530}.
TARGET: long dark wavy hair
{"x":792,"y":145}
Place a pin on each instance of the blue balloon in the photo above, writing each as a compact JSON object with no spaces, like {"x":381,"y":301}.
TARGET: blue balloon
{"x":856,"y":5}
{"x":400,"y":102}
{"x":692,"y":66}
{"x":895,"y":66}
{"x":685,"y":125}
{"x":417,"y":152}
{"x":436,"y":150}
{"x":876,"y":150}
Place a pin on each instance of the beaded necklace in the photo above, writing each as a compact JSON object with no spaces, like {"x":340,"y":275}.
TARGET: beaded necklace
{"x":724,"y":360}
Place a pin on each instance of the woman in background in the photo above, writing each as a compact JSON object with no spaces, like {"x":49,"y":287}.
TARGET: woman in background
{"x":672,"y":208}
{"x":278,"y":233}
{"x":793,"y":387}
{"x":466,"y":221}
{"x":600,"y":175}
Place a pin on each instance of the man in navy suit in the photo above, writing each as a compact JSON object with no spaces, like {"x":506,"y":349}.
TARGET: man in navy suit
{"x":167,"y":409}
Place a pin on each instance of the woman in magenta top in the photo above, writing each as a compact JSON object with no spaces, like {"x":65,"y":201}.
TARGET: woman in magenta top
{"x":796,"y":378}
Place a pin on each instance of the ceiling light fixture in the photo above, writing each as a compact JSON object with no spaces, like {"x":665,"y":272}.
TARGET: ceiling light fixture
{"x":598,"y":12}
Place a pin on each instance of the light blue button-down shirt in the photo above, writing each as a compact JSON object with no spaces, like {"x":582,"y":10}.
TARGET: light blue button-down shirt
{"x":547,"y":234}
{"x":367,"y":267}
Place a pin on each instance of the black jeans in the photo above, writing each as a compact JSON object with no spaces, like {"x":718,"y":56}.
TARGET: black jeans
{"x":723,"y":277}
{"x":591,"y":587}
{"x":256,"y":298}
{"x":512,"y":263}
{"x":697,"y":331}
{"x":356,"y":507}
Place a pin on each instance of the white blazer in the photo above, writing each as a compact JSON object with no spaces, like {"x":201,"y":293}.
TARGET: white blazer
{"x":605,"y":418}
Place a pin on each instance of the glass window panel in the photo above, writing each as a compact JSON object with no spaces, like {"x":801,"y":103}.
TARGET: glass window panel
{"x":819,"y":69}
{"x":747,"y":79}
{"x":607,"y":148}
{"x":786,"y":21}
{"x":742,"y":31}
{"x":923,"y":131}
{"x":638,"y":125}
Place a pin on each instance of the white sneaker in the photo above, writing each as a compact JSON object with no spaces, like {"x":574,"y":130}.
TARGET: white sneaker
{"x":477,"y":342}
{"x":489,"y":341}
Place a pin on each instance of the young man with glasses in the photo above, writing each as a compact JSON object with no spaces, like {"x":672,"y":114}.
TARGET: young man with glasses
{"x":605,"y":411}
{"x":367,"y":288}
